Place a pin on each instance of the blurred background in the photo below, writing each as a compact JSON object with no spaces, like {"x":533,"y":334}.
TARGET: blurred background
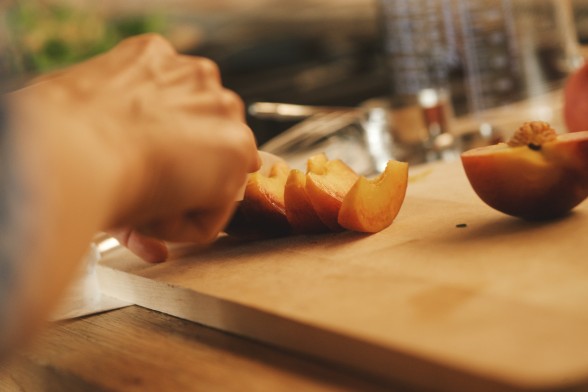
{"x":307,"y":51}
{"x":311,"y":52}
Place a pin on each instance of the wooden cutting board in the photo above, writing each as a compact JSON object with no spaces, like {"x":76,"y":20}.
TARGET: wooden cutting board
{"x":500,"y":303}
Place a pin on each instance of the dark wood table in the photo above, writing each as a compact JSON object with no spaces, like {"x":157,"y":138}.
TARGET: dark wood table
{"x":135,"y":349}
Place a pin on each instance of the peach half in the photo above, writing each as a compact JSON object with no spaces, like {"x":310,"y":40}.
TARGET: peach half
{"x":537,"y":175}
{"x":371,"y":205}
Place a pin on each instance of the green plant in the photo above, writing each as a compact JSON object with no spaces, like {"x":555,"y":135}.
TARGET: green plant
{"x":55,"y":36}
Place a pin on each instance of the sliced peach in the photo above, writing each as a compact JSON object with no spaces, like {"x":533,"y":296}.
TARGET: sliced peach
{"x":372,"y":205}
{"x":533,"y":176}
{"x":317,"y":163}
{"x":327,"y":183}
{"x":299,"y":211}
{"x":262,"y":210}
{"x":331,"y":196}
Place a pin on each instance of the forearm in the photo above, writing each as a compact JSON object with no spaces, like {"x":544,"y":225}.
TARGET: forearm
{"x":58,"y":191}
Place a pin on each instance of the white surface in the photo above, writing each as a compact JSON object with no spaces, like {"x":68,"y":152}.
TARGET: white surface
{"x":84,"y":296}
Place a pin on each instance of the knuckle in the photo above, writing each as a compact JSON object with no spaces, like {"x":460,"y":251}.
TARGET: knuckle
{"x":149,"y":44}
{"x":230,"y":103}
{"x":240,"y":146}
{"x":156,"y":44}
{"x":239,"y":139}
{"x":207,"y":69}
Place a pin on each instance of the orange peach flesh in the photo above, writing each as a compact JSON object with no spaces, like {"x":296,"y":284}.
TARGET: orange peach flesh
{"x":299,"y":210}
{"x":317,"y":164}
{"x":531,"y":184}
{"x":263,"y":211}
{"x":371,"y":205}
{"x":571,"y":149}
{"x":326,"y":185}
{"x":281,"y":201}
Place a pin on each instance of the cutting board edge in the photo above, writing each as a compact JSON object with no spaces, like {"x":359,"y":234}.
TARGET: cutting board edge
{"x":286,"y":333}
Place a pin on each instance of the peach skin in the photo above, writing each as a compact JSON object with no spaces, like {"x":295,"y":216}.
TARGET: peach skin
{"x":537,"y":175}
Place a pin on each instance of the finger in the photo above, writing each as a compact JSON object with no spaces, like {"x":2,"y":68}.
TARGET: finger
{"x":257,"y":161}
{"x":195,"y":227}
{"x":152,"y":51}
{"x":222,"y":103}
{"x":256,"y":165}
{"x":205,"y":70}
{"x":242,"y":141}
{"x":150,"y":249}
{"x":197,"y":73}
{"x":146,"y":44}
{"x":180,"y":229}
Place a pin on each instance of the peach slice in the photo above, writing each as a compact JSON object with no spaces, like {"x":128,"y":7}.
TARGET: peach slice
{"x":299,"y":211}
{"x":327,"y":183}
{"x":536,"y":175}
{"x":371,"y":205}
{"x":262,"y":210}
{"x":317,"y":163}
{"x":330,"y":196}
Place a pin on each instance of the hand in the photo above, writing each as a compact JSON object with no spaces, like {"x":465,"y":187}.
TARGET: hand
{"x":210,"y":171}
{"x":140,"y":140}
{"x":180,"y":134}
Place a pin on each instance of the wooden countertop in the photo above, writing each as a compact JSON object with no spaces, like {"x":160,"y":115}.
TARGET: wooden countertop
{"x":498,"y":305}
{"x":135,"y":349}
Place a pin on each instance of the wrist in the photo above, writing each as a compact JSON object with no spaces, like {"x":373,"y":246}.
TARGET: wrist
{"x":68,"y":147}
